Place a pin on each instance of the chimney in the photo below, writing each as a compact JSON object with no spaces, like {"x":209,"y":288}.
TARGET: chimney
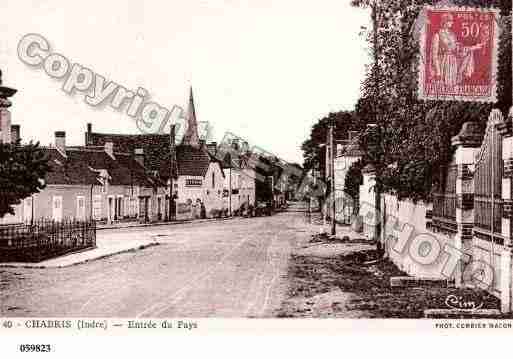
{"x":60,"y":141}
{"x":139,"y":156}
{"x":212,"y":148}
{"x":109,"y":148}
{"x":15,"y":133}
{"x":88,"y":141}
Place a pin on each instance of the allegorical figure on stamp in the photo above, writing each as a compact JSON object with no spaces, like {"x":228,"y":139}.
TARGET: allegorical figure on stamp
{"x":451,"y":61}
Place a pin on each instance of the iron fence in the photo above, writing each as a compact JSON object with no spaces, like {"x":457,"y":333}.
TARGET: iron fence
{"x":445,"y":201}
{"x":45,"y":239}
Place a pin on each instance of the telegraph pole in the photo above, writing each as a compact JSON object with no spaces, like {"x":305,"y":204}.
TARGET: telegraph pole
{"x":332,"y":178}
{"x":172,"y":134}
{"x":377,"y":194}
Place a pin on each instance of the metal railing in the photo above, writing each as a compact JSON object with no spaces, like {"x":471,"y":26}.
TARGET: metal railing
{"x":45,"y":239}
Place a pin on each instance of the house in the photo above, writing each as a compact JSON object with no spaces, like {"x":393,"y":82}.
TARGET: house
{"x":196,"y":177}
{"x":347,"y":152}
{"x":97,"y":183}
{"x":239,"y":190}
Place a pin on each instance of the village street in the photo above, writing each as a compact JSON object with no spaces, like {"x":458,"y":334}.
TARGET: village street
{"x":232,"y":268}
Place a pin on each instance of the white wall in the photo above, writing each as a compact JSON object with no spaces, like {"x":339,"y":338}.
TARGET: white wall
{"x":411,"y":215}
{"x":210,"y":195}
{"x":367,"y":201}
{"x":244,"y":181}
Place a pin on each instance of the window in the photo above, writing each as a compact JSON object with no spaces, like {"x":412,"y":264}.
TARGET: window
{"x":213,"y":179}
{"x":120,"y":211}
{"x":127,"y":207}
{"x":97,"y":206}
{"x":193,"y":182}
{"x":57,"y":208}
{"x":80,"y":207}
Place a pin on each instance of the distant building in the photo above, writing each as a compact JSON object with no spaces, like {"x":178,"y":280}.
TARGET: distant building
{"x":239,"y":190}
{"x":196,"y":176}
{"x":347,"y":152}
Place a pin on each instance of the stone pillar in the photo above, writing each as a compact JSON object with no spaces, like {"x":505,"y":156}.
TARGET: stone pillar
{"x":5,"y":125}
{"x":507,"y":214}
{"x":368,"y":211}
{"x":467,"y":143}
{"x":5,"y":114}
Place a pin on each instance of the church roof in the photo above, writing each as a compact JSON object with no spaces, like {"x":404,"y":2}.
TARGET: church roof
{"x":191,"y":137}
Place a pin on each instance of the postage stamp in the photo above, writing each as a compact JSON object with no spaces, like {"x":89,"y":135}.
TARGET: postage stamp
{"x":458,"y":48}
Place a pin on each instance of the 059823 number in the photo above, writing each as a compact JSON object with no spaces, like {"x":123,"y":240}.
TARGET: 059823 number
{"x":35,"y":348}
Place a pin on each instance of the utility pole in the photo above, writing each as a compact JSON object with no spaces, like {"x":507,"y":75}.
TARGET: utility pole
{"x":272,"y":192}
{"x":377,"y":194}
{"x":172,"y":163}
{"x":332,"y":178}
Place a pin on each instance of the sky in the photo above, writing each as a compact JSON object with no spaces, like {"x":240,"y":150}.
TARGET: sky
{"x":263,"y":70}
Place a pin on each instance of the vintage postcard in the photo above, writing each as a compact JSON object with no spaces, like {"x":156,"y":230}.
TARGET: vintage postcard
{"x":189,"y":168}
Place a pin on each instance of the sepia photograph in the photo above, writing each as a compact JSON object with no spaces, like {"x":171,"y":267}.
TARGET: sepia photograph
{"x":172,"y":165}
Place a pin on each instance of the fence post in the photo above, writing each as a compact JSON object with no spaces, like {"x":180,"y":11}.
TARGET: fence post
{"x":507,"y":214}
{"x":466,"y":143}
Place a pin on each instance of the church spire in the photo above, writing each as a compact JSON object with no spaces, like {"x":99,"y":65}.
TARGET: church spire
{"x":191,"y":136}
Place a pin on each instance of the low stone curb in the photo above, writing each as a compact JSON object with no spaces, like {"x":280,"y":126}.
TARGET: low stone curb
{"x":138,"y":225}
{"x":419,"y":282}
{"x":462,"y":313}
{"x":82,"y":261}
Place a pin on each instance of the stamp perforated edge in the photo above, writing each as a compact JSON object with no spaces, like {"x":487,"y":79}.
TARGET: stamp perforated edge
{"x":492,"y":98}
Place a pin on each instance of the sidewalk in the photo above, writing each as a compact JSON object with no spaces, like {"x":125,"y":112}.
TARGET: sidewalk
{"x":104,"y":248}
{"x":121,"y":225}
{"x":342,"y":277}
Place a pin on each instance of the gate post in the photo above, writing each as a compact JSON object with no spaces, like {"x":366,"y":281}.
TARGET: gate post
{"x":505,"y":130}
{"x":467,"y":143}
{"x":368,"y":210}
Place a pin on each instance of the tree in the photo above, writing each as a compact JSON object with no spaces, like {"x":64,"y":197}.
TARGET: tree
{"x":314,"y":155}
{"x":21,"y":171}
{"x":353,"y":181}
